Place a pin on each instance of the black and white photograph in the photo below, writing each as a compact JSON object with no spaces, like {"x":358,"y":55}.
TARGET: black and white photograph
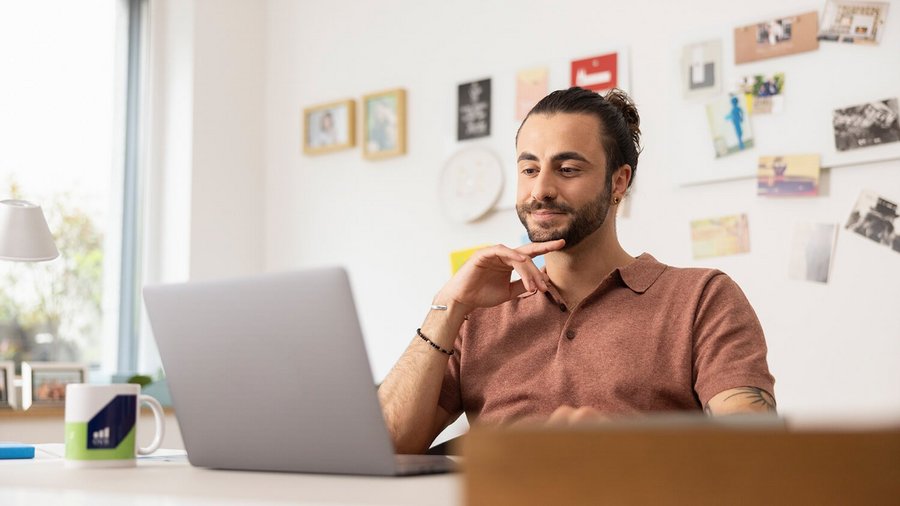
{"x":866,"y":125}
{"x":853,"y":22}
{"x":811,"y":251}
{"x":875,"y":218}
{"x":474,"y":110}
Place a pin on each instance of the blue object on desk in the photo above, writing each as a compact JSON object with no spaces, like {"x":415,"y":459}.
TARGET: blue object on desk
{"x":16,"y":451}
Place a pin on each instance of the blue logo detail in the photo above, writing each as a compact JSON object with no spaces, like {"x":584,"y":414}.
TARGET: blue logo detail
{"x":112,"y":423}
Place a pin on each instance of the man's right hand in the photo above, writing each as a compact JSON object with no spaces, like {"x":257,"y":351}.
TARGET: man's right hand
{"x":484,"y":280}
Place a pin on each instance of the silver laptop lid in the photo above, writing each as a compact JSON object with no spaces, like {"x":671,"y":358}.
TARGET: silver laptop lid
{"x":270,"y":373}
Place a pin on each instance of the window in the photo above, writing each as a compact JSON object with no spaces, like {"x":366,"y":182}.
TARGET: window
{"x":63,"y":135}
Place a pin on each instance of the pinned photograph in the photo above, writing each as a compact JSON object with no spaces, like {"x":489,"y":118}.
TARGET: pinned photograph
{"x":853,"y":22}
{"x":876,"y":218}
{"x":811,"y":251}
{"x":729,"y":126}
{"x":531,"y":86}
{"x":866,"y":125}
{"x":788,"y":176}
{"x":474,"y":110}
{"x":763,"y":94}
{"x":714,"y":237}
{"x":384,"y":130}
{"x":776,"y":37}
{"x":597,"y":73}
{"x":329,"y":127}
{"x":701,"y":66}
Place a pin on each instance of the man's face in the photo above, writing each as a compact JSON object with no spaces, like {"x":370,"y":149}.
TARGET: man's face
{"x":563,"y":191}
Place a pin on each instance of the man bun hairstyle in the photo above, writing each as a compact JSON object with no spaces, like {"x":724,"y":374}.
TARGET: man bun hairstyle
{"x":620,"y":124}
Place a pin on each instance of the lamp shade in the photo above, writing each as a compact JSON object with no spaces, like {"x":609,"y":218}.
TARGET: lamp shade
{"x":24,"y":234}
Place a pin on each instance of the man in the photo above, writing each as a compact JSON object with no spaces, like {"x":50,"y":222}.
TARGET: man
{"x":599,"y":333}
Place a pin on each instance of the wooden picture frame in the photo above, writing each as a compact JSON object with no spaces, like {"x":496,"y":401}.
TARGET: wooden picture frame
{"x":329,"y":127}
{"x":44,"y":383}
{"x":8,"y":385}
{"x":384,"y":124}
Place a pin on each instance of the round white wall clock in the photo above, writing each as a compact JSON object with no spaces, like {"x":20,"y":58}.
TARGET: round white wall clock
{"x":470,"y":184}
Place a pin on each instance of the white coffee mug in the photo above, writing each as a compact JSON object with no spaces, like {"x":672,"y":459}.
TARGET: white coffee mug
{"x":101,"y":425}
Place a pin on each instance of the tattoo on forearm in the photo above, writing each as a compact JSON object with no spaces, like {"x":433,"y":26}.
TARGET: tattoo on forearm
{"x":756,"y":396}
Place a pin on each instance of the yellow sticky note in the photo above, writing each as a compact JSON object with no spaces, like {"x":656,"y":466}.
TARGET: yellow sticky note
{"x":459,"y":257}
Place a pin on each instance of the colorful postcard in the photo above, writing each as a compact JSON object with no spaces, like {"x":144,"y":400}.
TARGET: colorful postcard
{"x":474,"y":110}
{"x":597,"y":73}
{"x":811,"y":251}
{"x":866,"y":125}
{"x":875,"y":218}
{"x":853,"y":22}
{"x":459,"y":257}
{"x":531,"y":86}
{"x":701,"y":66}
{"x":788,"y":176}
{"x":763,"y":94}
{"x":714,"y":237}
{"x":729,"y":126}
{"x":776,"y":37}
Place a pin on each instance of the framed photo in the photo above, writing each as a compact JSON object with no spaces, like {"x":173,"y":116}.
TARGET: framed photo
{"x":7,"y":385}
{"x":329,"y":127}
{"x":44,"y":383}
{"x":384,"y":124}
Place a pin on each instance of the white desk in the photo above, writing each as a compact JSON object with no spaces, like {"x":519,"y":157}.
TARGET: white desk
{"x":44,"y":480}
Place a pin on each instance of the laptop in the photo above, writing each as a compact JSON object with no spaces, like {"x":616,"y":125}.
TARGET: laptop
{"x":270,"y":373}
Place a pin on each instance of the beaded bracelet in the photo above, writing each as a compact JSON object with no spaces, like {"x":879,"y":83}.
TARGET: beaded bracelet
{"x":432,"y":343}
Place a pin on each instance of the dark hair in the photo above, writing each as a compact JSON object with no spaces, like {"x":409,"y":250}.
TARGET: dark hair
{"x":620,"y":132}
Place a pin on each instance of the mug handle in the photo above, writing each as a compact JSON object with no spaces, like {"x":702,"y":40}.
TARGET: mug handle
{"x":157,"y":409}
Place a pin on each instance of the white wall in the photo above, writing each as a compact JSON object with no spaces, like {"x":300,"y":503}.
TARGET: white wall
{"x":834,"y":348}
{"x":204,"y":208}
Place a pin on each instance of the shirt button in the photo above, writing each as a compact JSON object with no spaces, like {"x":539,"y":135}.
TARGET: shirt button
{"x":570,"y":334}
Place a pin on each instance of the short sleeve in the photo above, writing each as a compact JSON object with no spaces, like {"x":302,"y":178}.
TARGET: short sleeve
{"x":729,"y":345}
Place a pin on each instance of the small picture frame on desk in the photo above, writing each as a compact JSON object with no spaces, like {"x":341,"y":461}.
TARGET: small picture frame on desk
{"x":8,"y":385}
{"x":44,"y":383}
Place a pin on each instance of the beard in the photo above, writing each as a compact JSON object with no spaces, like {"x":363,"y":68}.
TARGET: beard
{"x":584,"y":222}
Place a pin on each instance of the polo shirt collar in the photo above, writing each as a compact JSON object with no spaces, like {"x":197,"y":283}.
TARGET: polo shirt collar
{"x":642,"y":273}
{"x":639,"y":276}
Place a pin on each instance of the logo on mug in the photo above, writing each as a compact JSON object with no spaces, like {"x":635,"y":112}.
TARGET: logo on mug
{"x":112,"y":423}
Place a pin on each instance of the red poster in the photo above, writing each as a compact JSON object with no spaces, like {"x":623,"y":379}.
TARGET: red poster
{"x":597,"y":73}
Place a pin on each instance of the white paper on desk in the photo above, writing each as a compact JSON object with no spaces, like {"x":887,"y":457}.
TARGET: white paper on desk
{"x":52,"y":451}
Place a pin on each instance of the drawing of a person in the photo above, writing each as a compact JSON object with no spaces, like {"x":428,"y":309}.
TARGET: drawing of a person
{"x":736,"y":116}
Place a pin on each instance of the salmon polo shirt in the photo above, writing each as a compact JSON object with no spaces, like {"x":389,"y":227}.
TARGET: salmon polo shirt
{"x":650,"y":338}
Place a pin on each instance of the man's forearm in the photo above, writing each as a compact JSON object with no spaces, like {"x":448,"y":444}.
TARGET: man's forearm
{"x":409,"y":394}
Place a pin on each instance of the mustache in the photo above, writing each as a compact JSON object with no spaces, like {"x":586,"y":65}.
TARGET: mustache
{"x":543,"y":205}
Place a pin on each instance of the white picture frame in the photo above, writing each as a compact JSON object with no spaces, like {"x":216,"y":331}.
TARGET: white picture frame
{"x":44,"y":383}
{"x":8,"y":396}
